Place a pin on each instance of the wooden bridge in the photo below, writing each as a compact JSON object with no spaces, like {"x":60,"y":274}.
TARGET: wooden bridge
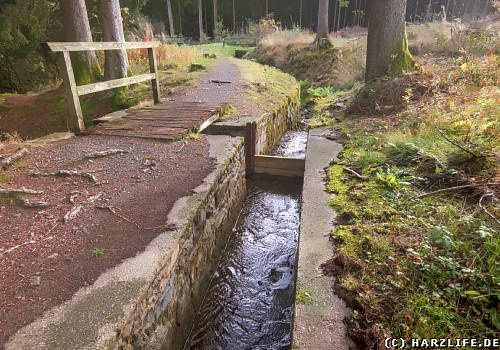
{"x":165,"y":120}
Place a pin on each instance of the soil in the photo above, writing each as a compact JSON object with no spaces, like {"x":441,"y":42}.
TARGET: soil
{"x":119,"y":215}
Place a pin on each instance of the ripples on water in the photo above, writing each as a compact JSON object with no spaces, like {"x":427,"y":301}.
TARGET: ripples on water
{"x":250,"y":299}
{"x":292,"y":144}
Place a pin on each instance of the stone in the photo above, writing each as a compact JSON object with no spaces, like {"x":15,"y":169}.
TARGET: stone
{"x":35,"y":281}
{"x":52,"y":256}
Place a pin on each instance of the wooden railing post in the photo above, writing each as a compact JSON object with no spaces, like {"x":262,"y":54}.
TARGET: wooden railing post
{"x":155,"y":83}
{"x":75,"y":117}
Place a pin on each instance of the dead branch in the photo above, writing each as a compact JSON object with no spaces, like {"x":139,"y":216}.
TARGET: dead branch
{"x":34,"y":203}
{"x":26,"y":243}
{"x":105,"y":153}
{"x":112,"y":209}
{"x":488,"y":194}
{"x":73,"y":213}
{"x":8,"y":160}
{"x":456,"y":144}
{"x":355,"y":174}
{"x":457,"y":188}
{"x":426,"y":154}
{"x":18,"y":191}
{"x":220,"y":81}
{"x":69,"y":173}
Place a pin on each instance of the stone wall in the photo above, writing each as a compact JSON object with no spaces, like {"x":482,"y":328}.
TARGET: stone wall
{"x":163,"y":316}
{"x":272,"y":125}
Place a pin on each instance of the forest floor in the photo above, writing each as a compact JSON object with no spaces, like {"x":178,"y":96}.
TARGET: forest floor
{"x":118,"y":204}
{"x":416,"y":188}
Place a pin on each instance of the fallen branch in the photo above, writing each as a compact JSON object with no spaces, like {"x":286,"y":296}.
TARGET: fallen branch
{"x":69,"y":173}
{"x":457,"y":144}
{"x":26,"y":243}
{"x":104,"y":153}
{"x":112,"y":209}
{"x":457,"y":188}
{"x":355,"y":174}
{"x":8,"y":160}
{"x":221,"y":82}
{"x":18,"y":191}
{"x":33,"y":203}
{"x":421,"y":152}
{"x":488,"y":194}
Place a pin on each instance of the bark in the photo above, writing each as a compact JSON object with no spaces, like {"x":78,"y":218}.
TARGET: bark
{"x":170,"y":19}
{"x":447,"y":10}
{"x":428,"y":11}
{"x":485,"y":8}
{"x":267,"y":7}
{"x":387,"y":52}
{"x":116,"y":61}
{"x":234,"y":16}
{"x":300,"y":14}
{"x":180,"y":17}
{"x":335,"y":16}
{"x":216,"y":16}
{"x":200,"y":20}
{"x":416,"y":11}
{"x":322,"y":36}
{"x":77,"y":29}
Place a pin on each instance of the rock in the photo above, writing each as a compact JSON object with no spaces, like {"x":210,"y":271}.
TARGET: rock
{"x":35,"y":281}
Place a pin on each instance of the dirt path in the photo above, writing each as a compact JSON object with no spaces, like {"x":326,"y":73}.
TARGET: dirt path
{"x":137,"y":188}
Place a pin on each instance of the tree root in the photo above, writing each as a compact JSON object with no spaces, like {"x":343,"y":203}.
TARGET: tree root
{"x":113,"y":210}
{"x":73,"y":213}
{"x":28,"y":203}
{"x":69,"y":173}
{"x":102,"y":154}
{"x":23,"y":190}
{"x":5,"y":162}
{"x":26,"y":243}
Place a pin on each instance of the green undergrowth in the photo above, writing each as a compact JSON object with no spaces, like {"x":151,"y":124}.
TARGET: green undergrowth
{"x":267,"y":86}
{"x":416,"y":263}
{"x":219,"y":50}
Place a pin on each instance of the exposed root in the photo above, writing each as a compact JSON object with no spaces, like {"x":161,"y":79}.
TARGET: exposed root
{"x":105,"y":153}
{"x":28,"y":203}
{"x":113,"y":210}
{"x":18,"y":191}
{"x":73,"y":213}
{"x":8,"y":160}
{"x":69,"y":173}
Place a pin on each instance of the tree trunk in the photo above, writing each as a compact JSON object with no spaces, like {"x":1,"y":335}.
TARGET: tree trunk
{"x":77,"y":29}
{"x":170,"y":19}
{"x":300,"y":14}
{"x":322,"y":36}
{"x":216,"y":15}
{"x":267,"y":7}
{"x":116,"y":61}
{"x":234,"y":17}
{"x":387,"y":52}
{"x":485,"y":8}
{"x":428,"y":11}
{"x":335,"y":16}
{"x":200,"y":20}
{"x":416,"y":11}
{"x":447,"y":10}
{"x":180,"y":17}
{"x":338,"y":16}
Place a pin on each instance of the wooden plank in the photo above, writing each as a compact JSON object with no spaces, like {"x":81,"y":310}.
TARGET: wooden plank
{"x":153,"y":68}
{"x":94,"y":46}
{"x":75,"y":118}
{"x":112,"y":84}
{"x":209,"y":122}
{"x":278,"y":172}
{"x":280,"y":163}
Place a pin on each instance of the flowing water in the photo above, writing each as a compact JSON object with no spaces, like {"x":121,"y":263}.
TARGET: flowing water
{"x":249,"y":302}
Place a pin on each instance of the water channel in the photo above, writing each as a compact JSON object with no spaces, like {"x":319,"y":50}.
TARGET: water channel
{"x":250,"y":299}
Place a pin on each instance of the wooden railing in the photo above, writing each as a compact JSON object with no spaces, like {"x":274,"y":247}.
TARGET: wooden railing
{"x":73,"y":91}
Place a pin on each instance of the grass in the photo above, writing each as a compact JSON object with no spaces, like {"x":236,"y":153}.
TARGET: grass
{"x":219,"y":50}
{"x":98,"y":252}
{"x":425,"y":266}
{"x":415,"y":266}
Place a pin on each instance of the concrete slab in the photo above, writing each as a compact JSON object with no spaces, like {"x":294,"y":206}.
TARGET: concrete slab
{"x":91,"y":318}
{"x":319,"y":321}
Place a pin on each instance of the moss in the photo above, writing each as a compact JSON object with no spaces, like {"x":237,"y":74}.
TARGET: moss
{"x":404,"y":61}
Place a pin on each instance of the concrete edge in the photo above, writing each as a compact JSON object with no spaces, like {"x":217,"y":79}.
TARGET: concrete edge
{"x":319,"y":314}
{"x":91,"y":318}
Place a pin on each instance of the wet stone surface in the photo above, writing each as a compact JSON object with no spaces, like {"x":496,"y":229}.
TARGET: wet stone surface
{"x":250,"y":299}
